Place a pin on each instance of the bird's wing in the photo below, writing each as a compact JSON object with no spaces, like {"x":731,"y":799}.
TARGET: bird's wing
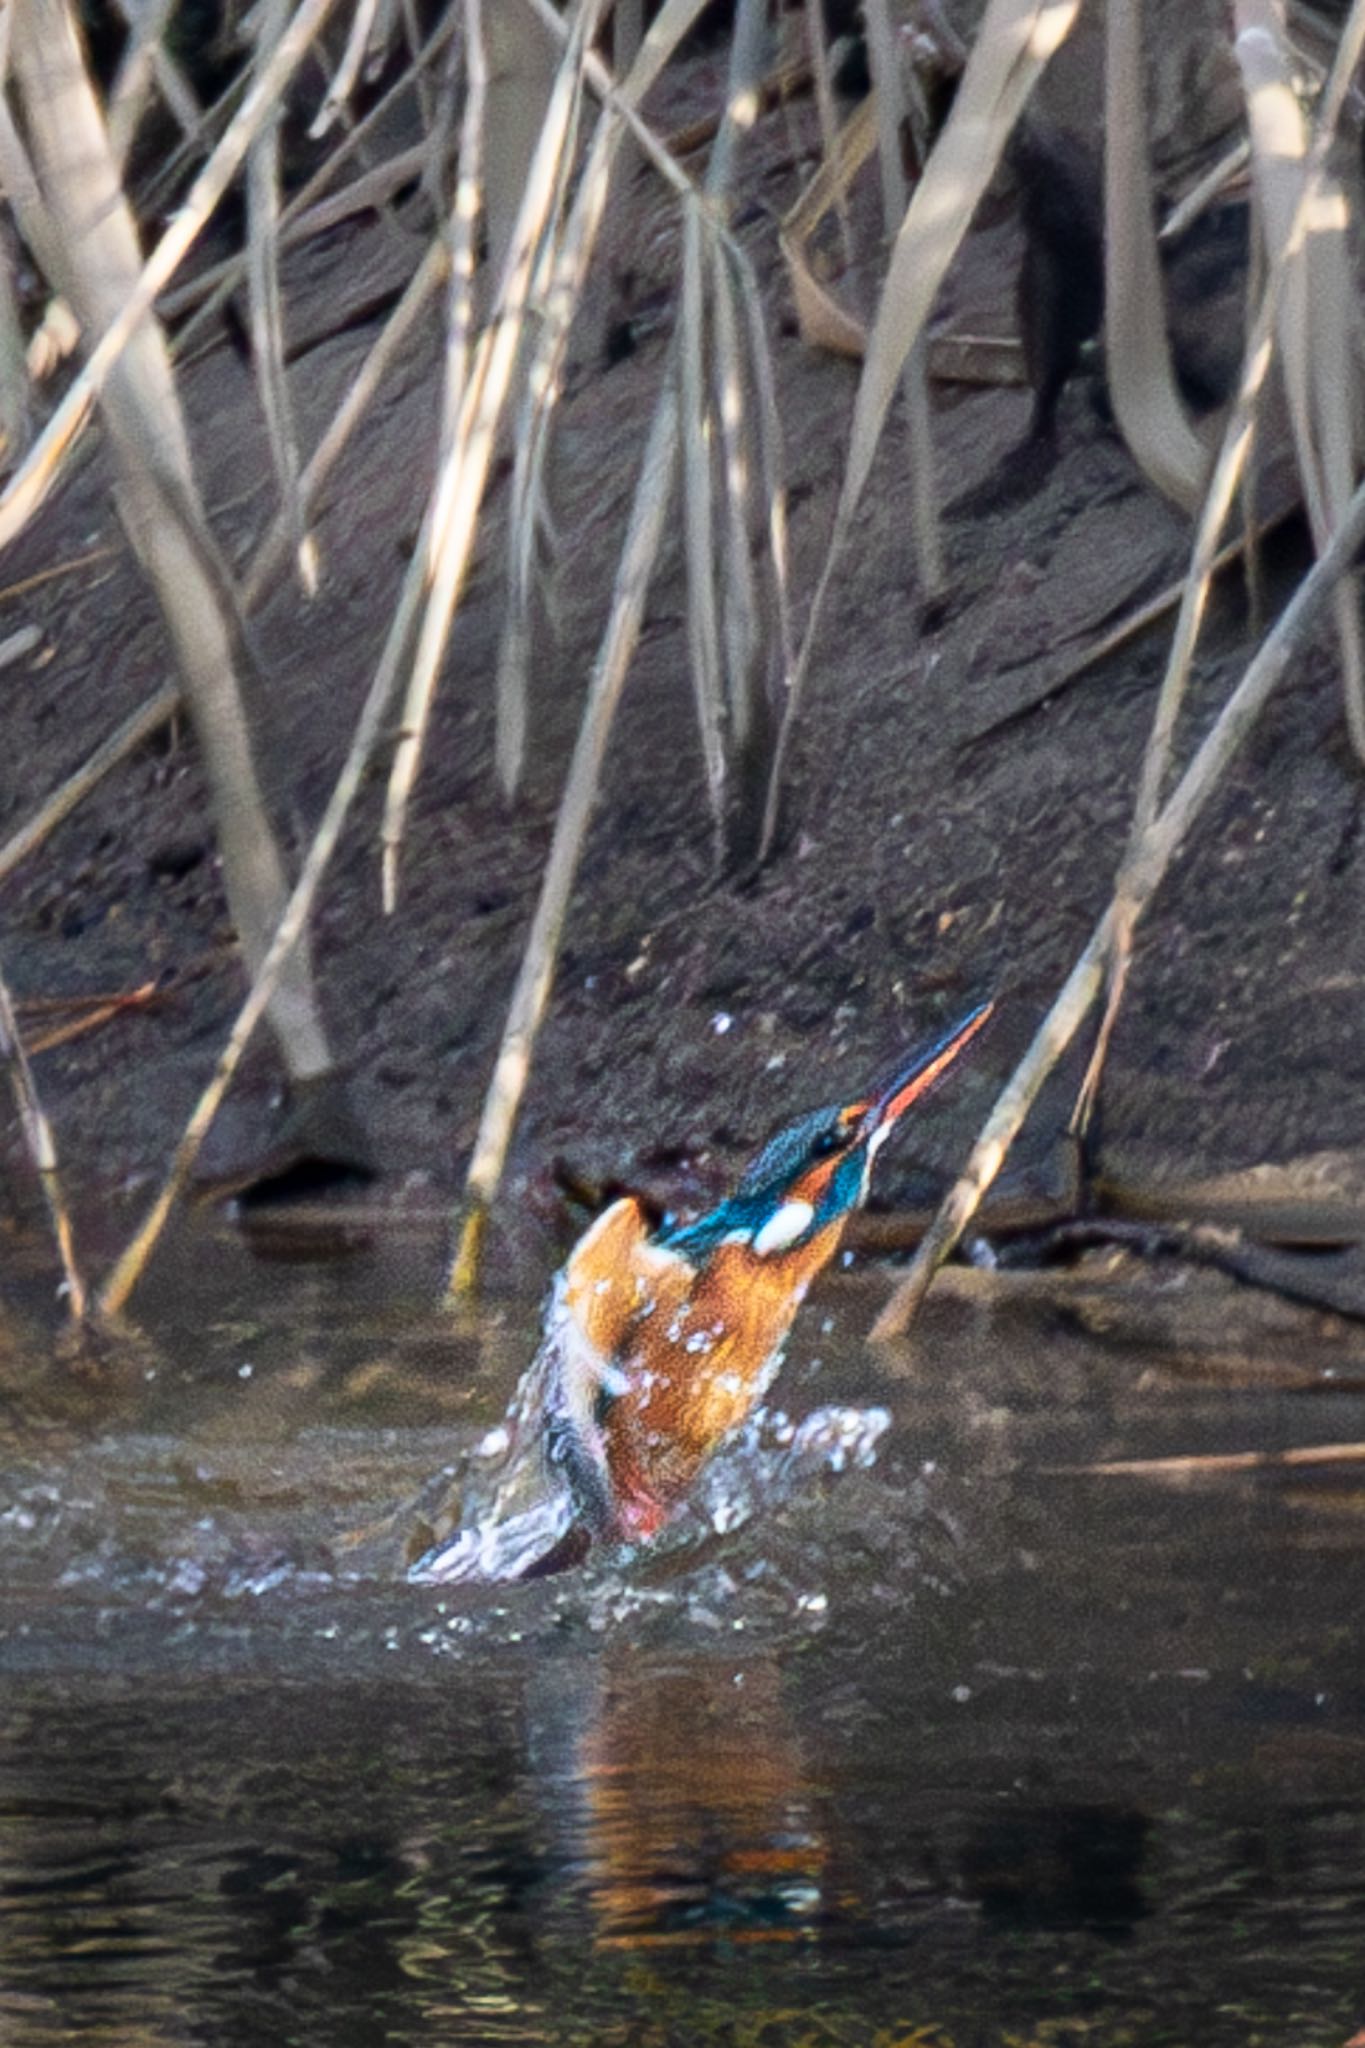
{"x":555,"y":1472}
{"x":616,"y":1275}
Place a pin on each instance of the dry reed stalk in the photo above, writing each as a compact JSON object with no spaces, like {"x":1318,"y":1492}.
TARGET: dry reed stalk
{"x":470,"y":438}
{"x":371,"y":723}
{"x":644,"y":537}
{"x":308,"y":212}
{"x":772,"y":490}
{"x":1141,"y":379}
{"x":132,"y":1262}
{"x":892,"y":111}
{"x":746,"y":684}
{"x":42,"y":1148}
{"x":31,"y":483}
{"x":434,"y":101}
{"x":161,"y":708}
{"x":1215,"y":182}
{"x":569,"y":266}
{"x":25,"y":197}
{"x":156,"y":196}
{"x":16,"y":425}
{"x":703,"y":624}
{"x":274,"y":547}
{"x":147,"y":63}
{"x":1318,"y":312}
{"x":267,"y":312}
{"x":463,"y":227}
{"x":1144,"y":868}
{"x":158,"y":495}
{"x":523,"y":63}
{"x":1228,"y":470}
{"x":1247,"y":495}
{"x":822,"y":320}
{"x":722,"y":689}
{"x":347,"y":71}
{"x":627,"y":34}
{"x":1237,"y":441}
{"x":551,"y":301}
{"x":532,"y":992}
{"x":818,"y":44}
{"x":1014,"y":43}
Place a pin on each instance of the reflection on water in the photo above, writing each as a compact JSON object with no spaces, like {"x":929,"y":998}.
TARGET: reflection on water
{"x":959,"y":1747}
{"x":689,"y":1801}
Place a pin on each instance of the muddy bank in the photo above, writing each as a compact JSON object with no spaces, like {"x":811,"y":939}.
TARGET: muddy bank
{"x":955,"y":817}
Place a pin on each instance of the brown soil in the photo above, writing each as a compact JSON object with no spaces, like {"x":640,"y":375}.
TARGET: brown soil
{"x":954,"y":831}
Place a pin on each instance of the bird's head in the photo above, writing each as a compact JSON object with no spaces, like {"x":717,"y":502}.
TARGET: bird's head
{"x":816,"y":1170}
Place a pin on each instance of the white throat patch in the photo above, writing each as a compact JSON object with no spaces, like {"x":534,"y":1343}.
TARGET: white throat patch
{"x":783,"y":1228}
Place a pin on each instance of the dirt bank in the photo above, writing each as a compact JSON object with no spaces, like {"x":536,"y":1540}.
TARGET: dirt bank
{"x":955,"y":827}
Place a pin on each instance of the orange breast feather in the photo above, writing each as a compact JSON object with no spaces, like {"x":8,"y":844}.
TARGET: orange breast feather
{"x":682,"y":1356}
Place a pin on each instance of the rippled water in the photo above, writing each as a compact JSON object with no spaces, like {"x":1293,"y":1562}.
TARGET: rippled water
{"x":965,"y":1747}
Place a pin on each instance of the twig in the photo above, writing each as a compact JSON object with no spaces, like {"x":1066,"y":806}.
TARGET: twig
{"x":1216,"y":1461}
{"x":55,"y":1006}
{"x":1130,"y":627}
{"x":146,"y":720}
{"x":53,"y":570}
{"x":93,"y":1013}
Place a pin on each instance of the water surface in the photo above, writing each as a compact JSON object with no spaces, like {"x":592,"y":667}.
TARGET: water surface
{"x":969,"y":1747}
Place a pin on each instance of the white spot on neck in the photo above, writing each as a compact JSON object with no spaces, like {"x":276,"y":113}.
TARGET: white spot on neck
{"x":783,"y":1228}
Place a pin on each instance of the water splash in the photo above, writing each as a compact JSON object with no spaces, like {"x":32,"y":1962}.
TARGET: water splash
{"x":517,"y":1511}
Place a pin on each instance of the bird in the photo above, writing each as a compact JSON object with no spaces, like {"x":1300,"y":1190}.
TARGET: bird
{"x":659,"y":1341}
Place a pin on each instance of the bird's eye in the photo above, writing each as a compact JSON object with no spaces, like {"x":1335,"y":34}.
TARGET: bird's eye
{"x":827,"y":1142}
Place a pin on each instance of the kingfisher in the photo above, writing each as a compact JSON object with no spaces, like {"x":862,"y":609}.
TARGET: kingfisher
{"x":659,"y":1342}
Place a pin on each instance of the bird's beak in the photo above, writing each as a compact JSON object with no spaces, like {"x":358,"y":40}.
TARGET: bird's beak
{"x":879,"y":1114}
